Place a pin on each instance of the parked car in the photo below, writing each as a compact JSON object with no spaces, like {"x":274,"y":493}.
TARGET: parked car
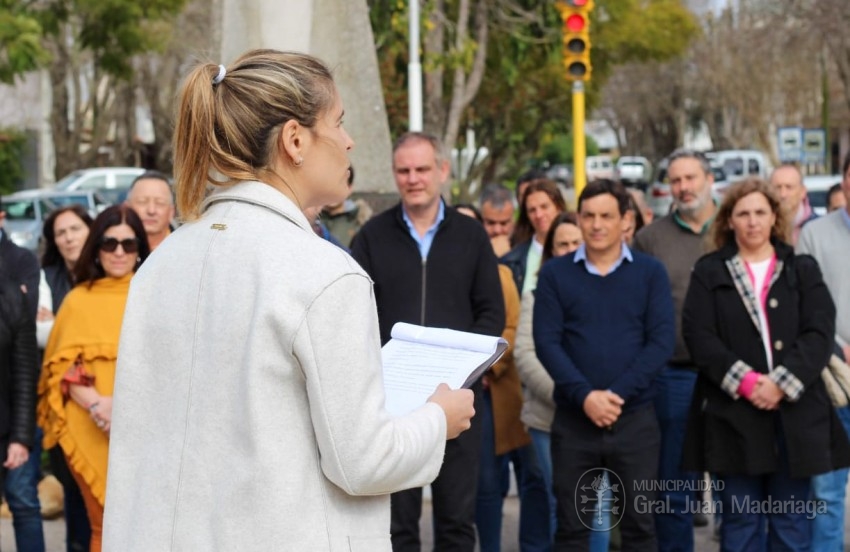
{"x":634,"y":171}
{"x":660,"y":198}
{"x":25,"y":214}
{"x":560,"y":174}
{"x":111,"y":182}
{"x":817,"y":187}
{"x":27,"y":209}
{"x":600,"y":166}
{"x":739,"y":164}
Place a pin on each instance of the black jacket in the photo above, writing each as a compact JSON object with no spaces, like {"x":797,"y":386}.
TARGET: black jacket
{"x":517,"y":260}
{"x":18,"y":367}
{"x":456,"y":287}
{"x":731,"y":436}
{"x":22,"y":267}
{"x":59,"y":282}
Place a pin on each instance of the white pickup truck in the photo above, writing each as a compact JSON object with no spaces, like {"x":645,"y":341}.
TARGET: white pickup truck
{"x":634,"y":171}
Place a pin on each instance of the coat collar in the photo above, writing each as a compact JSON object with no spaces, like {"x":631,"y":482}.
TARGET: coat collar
{"x":261,"y":194}
{"x":738,"y":272}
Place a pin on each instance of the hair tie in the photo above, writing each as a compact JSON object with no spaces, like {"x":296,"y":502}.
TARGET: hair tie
{"x":220,"y":77}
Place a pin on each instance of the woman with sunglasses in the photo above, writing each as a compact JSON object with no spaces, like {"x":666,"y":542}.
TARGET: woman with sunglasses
{"x":75,"y":390}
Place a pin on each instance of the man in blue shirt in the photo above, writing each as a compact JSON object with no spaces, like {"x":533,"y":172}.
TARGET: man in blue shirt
{"x":604,"y":328}
{"x":433,"y":266}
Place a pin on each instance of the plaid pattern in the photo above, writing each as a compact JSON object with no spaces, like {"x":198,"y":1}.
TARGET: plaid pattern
{"x":738,"y":271}
{"x":788,"y":382}
{"x":733,"y":378}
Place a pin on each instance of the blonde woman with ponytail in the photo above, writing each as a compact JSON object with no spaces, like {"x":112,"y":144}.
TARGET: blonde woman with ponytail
{"x":249,"y":405}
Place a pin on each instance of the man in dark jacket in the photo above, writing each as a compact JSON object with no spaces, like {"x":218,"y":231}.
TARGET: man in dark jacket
{"x":434,"y":267}
{"x":18,"y":370}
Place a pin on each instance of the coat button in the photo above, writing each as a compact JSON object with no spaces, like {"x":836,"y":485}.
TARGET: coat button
{"x":773,"y":303}
{"x":777,"y":345}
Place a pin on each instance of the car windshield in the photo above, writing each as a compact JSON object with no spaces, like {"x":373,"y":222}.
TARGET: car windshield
{"x":62,"y":200}
{"x":68,"y":180}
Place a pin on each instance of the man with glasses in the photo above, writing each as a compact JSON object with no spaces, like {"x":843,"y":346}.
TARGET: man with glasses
{"x":678,"y":241}
{"x":150,"y":196}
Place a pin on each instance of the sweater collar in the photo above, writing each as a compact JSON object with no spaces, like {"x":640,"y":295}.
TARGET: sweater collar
{"x":263,"y":195}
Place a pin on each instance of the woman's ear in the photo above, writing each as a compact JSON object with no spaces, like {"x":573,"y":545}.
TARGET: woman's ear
{"x":292,"y":142}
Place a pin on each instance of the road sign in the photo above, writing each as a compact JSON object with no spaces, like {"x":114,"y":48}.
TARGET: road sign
{"x":814,"y":145}
{"x":790,"y":144}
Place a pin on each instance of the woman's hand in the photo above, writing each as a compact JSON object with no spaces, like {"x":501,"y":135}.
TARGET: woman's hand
{"x":457,"y":406}
{"x":101,"y":413}
{"x":43,"y":315}
{"x":766,"y":394}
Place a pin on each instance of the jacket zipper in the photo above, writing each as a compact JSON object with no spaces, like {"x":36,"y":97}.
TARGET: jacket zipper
{"x":424,"y":281}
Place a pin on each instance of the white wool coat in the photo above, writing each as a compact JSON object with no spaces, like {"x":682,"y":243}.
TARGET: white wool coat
{"x":249,"y":404}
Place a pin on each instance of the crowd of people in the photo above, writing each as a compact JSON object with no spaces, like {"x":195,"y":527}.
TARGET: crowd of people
{"x":240,"y":406}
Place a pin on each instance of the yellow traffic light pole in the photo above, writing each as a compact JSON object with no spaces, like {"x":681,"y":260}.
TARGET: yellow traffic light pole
{"x":579,"y":149}
{"x":575,"y":15}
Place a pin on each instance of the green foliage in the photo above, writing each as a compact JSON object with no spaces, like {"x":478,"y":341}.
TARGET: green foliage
{"x":21,"y":49}
{"x":523,"y":109}
{"x":113,"y":30}
{"x":557,"y":149}
{"x":624,"y":31}
{"x":12,"y":144}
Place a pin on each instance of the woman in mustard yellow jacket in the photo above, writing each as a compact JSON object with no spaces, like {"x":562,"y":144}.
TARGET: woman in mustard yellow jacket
{"x":75,"y":390}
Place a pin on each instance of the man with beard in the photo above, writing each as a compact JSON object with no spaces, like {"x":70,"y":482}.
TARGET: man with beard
{"x":678,"y":240}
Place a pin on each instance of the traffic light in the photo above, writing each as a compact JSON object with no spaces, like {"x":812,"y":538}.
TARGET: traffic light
{"x":575,"y":15}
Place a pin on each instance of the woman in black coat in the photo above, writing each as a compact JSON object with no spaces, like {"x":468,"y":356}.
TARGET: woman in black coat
{"x":759,"y":323}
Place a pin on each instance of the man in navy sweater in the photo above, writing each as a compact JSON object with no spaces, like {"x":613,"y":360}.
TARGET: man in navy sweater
{"x":604,"y":328}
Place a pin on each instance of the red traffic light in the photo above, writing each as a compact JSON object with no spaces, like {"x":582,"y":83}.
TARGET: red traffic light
{"x":578,"y":3}
{"x":575,"y":23}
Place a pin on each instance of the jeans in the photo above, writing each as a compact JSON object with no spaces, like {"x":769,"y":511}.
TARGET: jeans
{"x":542,"y":442}
{"x":746,"y":528}
{"x":674,"y":389}
{"x":488,"y":502}
{"x":831,"y":487}
{"x":535,"y":531}
{"x":21,"y":491}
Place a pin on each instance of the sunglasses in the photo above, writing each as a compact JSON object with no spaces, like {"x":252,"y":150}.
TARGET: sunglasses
{"x":129,"y":245}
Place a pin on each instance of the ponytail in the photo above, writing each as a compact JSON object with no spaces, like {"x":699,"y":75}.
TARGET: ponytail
{"x":228,"y":121}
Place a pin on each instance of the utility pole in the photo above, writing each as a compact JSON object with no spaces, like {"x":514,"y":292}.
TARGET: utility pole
{"x":414,"y":71}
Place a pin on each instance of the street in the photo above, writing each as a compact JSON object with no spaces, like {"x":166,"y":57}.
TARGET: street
{"x":54,"y":531}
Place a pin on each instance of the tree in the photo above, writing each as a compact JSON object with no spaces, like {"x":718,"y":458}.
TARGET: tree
{"x":20,"y":41}
{"x":495,"y":66}
{"x":93,"y":44}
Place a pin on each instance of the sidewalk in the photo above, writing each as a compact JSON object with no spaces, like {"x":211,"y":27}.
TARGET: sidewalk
{"x":54,"y":531}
